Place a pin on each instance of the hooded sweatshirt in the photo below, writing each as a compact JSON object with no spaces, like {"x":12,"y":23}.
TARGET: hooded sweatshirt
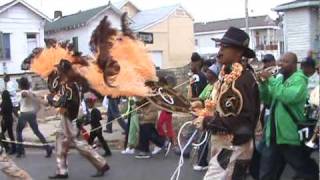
{"x":292,"y":92}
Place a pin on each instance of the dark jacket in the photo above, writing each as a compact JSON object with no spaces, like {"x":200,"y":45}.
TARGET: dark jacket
{"x":6,"y":111}
{"x":242,"y":126}
{"x":95,"y":118}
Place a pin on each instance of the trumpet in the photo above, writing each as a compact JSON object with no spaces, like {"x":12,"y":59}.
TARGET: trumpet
{"x":274,"y":70}
{"x":258,"y":67}
{"x":312,"y":143}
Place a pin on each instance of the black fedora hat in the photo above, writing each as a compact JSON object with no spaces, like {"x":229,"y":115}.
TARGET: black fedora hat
{"x":237,"y":37}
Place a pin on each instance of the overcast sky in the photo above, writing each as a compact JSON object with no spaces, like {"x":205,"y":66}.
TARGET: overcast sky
{"x":201,"y":10}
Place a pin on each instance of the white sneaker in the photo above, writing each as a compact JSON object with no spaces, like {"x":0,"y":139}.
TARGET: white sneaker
{"x":156,"y":150}
{"x":200,"y":168}
{"x":94,"y":146}
{"x":128,"y":151}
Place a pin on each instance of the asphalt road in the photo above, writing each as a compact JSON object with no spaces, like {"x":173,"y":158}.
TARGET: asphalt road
{"x":123,"y":167}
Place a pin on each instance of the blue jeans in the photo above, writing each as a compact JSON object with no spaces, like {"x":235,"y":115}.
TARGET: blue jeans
{"x":31,"y":118}
{"x":113,"y":113}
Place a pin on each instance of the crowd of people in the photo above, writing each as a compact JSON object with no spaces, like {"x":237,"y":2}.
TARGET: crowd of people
{"x":23,"y":107}
{"x":252,"y":117}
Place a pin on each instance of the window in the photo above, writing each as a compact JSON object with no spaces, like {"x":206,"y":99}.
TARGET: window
{"x":196,"y":42}
{"x":31,"y":42}
{"x":157,"y":58}
{"x":31,"y":36}
{"x":217,"y":44}
{"x":5,"y":53}
{"x":75,"y":44}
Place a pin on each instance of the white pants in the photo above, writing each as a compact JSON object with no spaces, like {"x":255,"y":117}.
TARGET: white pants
{"x":66,"y":136}
{"x":229,"y":162}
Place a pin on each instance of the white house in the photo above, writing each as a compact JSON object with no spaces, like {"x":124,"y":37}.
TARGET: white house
{"x":162,"y":27}
{"x":21,"y":30}
{"x":301,"y":26}
{"x":263,"y":32}
{"x":78,"y":27}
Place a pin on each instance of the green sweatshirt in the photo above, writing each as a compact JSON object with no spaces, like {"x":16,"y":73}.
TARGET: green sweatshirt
{"x":292,"y":92}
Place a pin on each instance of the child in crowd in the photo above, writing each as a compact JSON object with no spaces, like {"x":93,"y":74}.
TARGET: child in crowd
{"x":164,"y":124}
{"x":94,"y":120}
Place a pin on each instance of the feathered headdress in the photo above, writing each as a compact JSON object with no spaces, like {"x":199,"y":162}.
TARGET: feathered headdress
{"x":120,"y":67}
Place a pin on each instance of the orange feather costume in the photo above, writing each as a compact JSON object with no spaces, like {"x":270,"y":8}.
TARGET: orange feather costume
{"x":120,"y":67}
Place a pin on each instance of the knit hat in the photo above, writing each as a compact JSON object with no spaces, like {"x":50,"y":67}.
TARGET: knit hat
{"x":268,"y":58}
{"x":215,"y":69}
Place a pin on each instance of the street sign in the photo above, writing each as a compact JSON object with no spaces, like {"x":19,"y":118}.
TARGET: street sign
{"x":146,"y":37}
{"x":1,"y":46}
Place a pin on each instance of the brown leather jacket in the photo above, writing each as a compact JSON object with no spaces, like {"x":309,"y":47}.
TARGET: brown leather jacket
{"x":242,"y":126}
{"x":148,"y":114}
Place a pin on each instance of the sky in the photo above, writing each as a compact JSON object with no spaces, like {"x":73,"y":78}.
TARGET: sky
{"x":201,"y":10}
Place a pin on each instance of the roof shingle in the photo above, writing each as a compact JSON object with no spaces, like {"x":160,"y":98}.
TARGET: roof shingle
{"x":151,"y":16}
{"x":297,"y":4}
{"x":255,"y":21}
{"x":73,"y":20}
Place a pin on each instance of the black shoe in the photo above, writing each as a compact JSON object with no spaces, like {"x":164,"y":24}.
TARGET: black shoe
{"x":101,"y":172}
{"x":143,"y":155}
{"x":185,"y":154}
{"x":49,"y":152}
{"x":21,"y":155}
{"x":11,"y":152}
{"x":59,"y":176}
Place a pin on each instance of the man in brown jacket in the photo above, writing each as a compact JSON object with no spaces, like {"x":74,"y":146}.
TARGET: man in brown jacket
{"x":236,"y":111}
{"x":148,"y":115}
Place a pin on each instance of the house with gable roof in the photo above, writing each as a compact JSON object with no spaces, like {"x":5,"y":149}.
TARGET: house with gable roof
{"x":169,"y":48}
{"x":127,"y":6}
{"x":21,"y":30}
{"x":264,"y":32}
{"x":172,"y":29}
{"x":301,"y":27}
{"x":78,"y":27}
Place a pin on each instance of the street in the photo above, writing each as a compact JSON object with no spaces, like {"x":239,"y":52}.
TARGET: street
{"x":123,"y":167}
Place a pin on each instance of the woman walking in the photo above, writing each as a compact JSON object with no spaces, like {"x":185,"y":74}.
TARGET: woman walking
{"x":28,"y":114}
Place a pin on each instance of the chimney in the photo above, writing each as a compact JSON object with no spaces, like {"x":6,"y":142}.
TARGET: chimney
{"x":57,"y":14}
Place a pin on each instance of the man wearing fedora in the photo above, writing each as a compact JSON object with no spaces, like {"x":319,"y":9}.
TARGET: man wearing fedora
{"x":235,"y":112}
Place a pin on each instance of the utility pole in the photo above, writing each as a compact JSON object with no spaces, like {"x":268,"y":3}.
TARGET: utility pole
{"x":247,"y":16}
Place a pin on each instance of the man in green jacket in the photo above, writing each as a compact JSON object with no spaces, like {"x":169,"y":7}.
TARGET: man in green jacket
{"x":281,"y":133}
